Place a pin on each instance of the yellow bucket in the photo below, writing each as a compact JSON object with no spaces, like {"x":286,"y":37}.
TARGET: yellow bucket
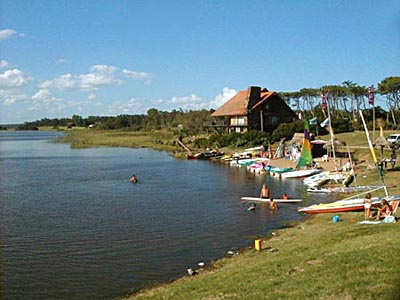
{"x":258,"y":245}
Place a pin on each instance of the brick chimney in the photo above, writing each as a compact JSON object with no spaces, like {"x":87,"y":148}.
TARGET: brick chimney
{"x":254,"y":95}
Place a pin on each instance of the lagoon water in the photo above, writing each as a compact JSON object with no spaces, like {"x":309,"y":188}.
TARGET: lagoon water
{"x":74,"y":227}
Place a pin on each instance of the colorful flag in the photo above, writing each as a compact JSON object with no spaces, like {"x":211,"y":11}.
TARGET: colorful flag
{"x":306,"y":155}
{"x":324,"y":99}
{"x":371,"y":95}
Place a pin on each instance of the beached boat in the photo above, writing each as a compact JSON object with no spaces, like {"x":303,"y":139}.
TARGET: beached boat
{"x":342,"y":189}
{"x":323,"y":178}
{"x":273,"y":169}
{"x":205,"y":155}
{"x":301,"y":173}
{"x":337,"y":206}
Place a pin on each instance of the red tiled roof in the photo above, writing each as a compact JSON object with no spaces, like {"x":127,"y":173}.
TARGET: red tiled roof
{"x":238,"y":104}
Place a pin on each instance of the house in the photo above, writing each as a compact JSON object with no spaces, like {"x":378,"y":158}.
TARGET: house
{"x":253,"y":109}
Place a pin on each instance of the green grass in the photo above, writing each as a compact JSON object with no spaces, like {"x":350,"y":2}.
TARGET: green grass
{"x":86,"y":138}
{"x":317,"y":259}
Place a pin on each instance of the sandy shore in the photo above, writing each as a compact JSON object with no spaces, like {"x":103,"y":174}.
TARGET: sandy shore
{"x":287,"y":163}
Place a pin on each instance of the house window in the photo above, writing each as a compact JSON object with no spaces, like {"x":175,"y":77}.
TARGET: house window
{"x":237,"y":129}
{"x":274,"y":121}
{"x":240,"y":121}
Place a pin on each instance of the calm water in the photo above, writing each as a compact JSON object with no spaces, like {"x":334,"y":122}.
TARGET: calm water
{"x":74,"y":227}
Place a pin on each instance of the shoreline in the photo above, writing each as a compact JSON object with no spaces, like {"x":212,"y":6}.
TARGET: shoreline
{"x":286,"y":241}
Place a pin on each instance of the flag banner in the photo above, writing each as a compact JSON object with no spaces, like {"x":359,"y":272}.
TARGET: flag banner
{"x":324,"y":99}
{"x":314,"y":121}
{"x":371,"y":95}
{"x":325,"y":123}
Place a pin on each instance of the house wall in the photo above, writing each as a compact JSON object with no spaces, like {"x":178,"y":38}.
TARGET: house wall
{"x":274,"y":112}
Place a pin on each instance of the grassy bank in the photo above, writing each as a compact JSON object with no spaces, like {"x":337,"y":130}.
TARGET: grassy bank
{"x":159,"y":140}
{"x":317,"y":259}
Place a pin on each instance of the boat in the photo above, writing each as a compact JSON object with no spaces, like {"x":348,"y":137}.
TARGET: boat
{"x":205,"y":155}
{"x":356,"y":204}
{"x":267,"y":200}
{"x":273,"y":169}
{"x":342,"y":189}
{"x":323,"y":178}
{"x":301,"y":173}
{"x":337,"y":206}
{"x":306,"y":159}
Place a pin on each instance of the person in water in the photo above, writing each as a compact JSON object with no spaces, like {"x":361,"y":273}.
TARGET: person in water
{"x":134,"y":179}
{"x":264,"y":191}
{"x":272,"y":205}
{"x":285,"y":196}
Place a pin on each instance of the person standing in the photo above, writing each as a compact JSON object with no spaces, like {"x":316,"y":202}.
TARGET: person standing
{"x":367,"y":206}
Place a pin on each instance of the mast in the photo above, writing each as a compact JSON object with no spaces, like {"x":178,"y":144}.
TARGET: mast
{"x":371,"y":147}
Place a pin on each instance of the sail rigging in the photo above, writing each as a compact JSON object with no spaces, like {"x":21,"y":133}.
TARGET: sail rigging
{"x":306,"y":155}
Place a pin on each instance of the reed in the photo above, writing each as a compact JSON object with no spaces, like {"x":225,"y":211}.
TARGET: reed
{"x":159,"y":140}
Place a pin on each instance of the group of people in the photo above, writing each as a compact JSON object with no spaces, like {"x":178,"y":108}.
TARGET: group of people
{"x":384,"y":208}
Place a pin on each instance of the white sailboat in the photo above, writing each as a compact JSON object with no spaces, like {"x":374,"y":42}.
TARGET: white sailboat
{"x":306,"y":158}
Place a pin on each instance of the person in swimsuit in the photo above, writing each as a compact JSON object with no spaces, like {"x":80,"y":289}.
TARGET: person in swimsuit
{"x":367,"y":206}
{"x":385,"y":210}
{"x":264,"y":192}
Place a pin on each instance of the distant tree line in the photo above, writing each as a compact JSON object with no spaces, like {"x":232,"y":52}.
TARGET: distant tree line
{"x":191,"y":122}
{"x":342,"y":101}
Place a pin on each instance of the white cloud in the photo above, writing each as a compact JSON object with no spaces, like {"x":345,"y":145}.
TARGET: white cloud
{"x":133,"y":106}
{"x":9,"y":33}
{"x":220,"y":99}
{"x":11,"y":96}
{"x":192,"y":102}
{"x":13,"y":79}
{"x":64,"y":82}
{"x":44,"y":96}
{"x":60,"y":61}
{"x":92,"y":96}
{"x":100,"y":76}
{"x":137,"y":75}
{"x":3,"y":64}
{"x":186,"y":99}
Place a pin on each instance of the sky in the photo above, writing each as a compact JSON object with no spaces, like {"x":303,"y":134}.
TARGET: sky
{"x":107,"y":58}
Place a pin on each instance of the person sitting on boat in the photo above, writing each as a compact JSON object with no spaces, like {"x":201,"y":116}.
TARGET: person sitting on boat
{"x":367,"y":206}
{"x":133,"y":179}
{"x":264,"y":191}
{"x":385,"y":210}
{"x":272,"y":205}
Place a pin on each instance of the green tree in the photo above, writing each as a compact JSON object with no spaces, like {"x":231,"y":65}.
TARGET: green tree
{"x":390,"y":87}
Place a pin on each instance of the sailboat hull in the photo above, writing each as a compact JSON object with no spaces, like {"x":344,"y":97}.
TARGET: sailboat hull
{"x":301,"y":173}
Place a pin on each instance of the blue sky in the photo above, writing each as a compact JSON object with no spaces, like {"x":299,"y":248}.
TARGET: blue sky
{"x":94,"y":57}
